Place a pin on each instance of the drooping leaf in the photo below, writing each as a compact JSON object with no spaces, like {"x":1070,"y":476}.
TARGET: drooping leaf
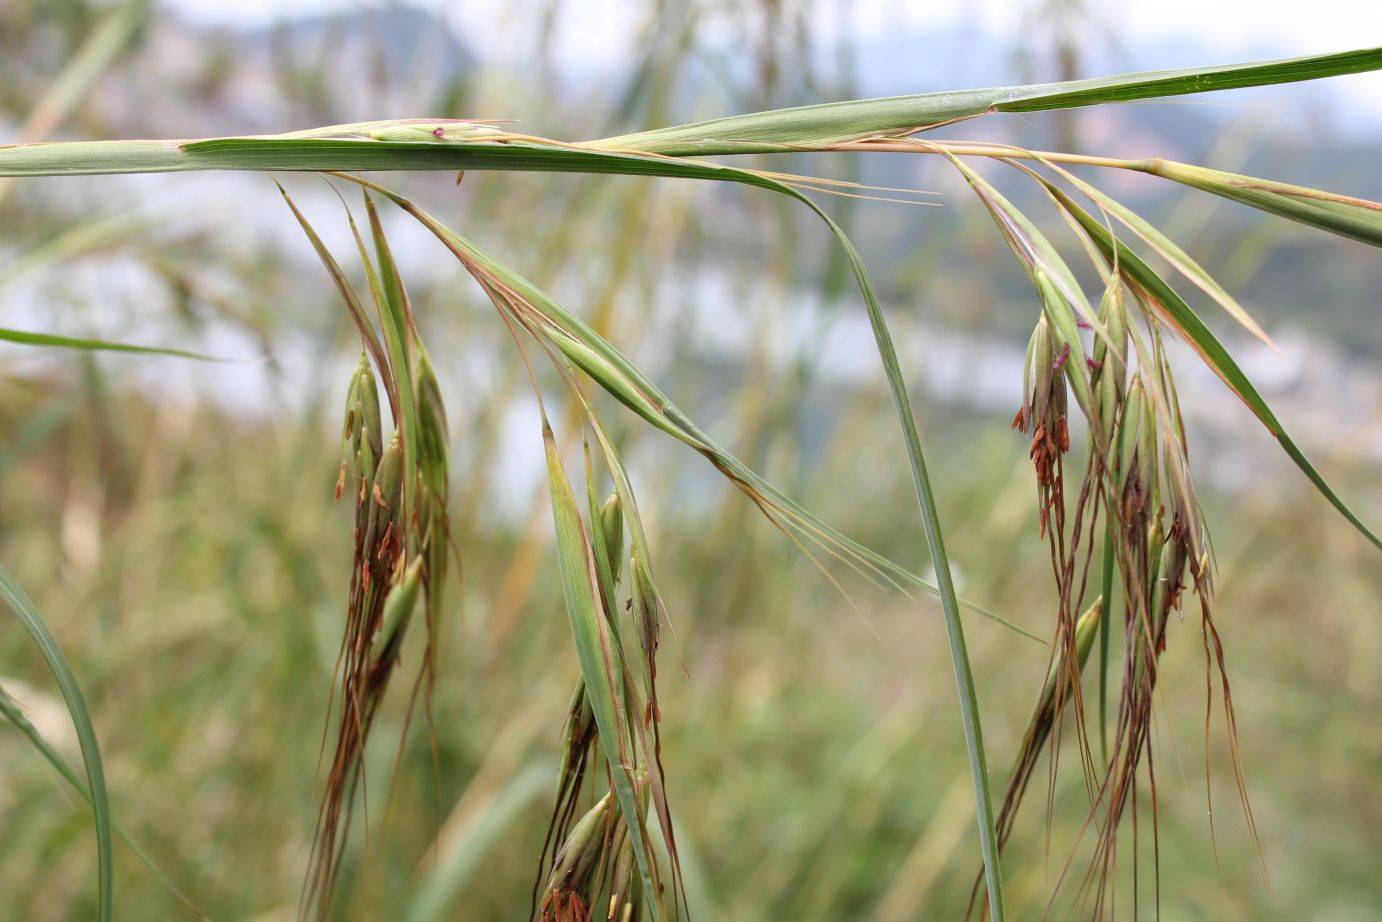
{"x":352,"y":300}
{"x":1169,"y":250}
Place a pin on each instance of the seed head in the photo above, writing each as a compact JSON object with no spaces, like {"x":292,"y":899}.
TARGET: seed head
{"x":1109,"y":367}
{"x":612,"y":530}
{"x":1129,"y":429}
{"x":566,"y":896}
{"x":1147,"y":446}
{"x":398,"y":610}
{"x":388,"y":479}
{"x":368,"y":406}
{"x":1039,"y":378}
{"x":580,"y":728}
{"x":432,"y":434}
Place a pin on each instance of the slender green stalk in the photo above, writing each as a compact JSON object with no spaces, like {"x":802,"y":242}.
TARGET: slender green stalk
{"x":930,"y":517}
{"x":1105,"y":626}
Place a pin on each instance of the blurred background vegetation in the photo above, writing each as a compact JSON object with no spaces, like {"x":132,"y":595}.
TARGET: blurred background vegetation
{"x":174,"y":521}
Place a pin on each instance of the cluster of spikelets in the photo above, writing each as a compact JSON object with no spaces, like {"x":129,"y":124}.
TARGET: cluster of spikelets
{"x":399,"y":491}
{"x":593,"y":864}
{"x":614,"y":608}
{"x":1109,"y":364}
{"x":1135,"y":478}
{"x":1111,"y":367}
{"x":401,"y":552}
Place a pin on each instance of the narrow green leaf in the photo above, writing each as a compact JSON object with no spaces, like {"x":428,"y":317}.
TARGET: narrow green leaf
{"x":784,"y":129}
{"x":1060,"y":293}
{"x":33,"y":622}
{"x":53,"y":340}
{"x":780,"y":130}
{"x":950,"y":606}
{"x":357,"y":312}
{"x":1039,"y":257}
{"x":1339,"y":214}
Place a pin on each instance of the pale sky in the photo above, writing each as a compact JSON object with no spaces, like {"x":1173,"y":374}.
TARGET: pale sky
{"x":1229,"y":25}
{"x":594,"y":31}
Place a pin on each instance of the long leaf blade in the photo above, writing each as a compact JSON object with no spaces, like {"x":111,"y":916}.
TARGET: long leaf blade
{"x":53,"y":340}
{"x":849,"y":121}
{"x":23,"y":608}
{"x":1339,"y":214}
{"x":774,"y":130}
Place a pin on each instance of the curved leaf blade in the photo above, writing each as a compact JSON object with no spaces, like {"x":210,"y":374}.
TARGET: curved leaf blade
{"x":23,"y":608}
{"x":777,"y":130}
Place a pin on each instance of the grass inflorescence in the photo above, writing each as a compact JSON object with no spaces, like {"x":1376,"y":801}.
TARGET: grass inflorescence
{"x":1125,"y":531}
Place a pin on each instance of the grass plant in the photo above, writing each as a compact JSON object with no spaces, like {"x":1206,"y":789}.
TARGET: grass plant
{"x":1131,"y":519}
